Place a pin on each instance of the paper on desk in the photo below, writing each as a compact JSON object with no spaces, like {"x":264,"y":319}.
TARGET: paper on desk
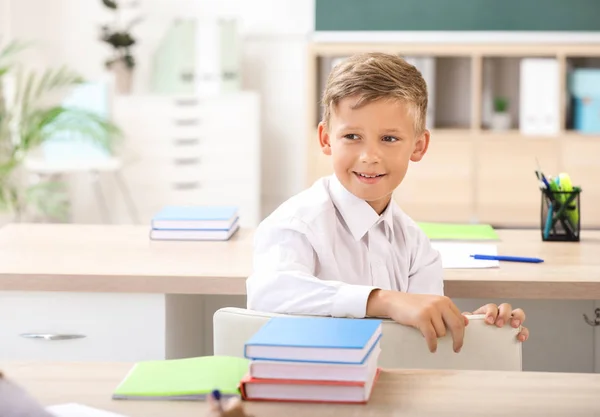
{"x":78,"y":410}
{"x":458,"y":255}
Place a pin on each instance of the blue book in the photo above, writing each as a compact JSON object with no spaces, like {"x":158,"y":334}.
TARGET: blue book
{"x":195,"y":218}
{"x":314,"y":339}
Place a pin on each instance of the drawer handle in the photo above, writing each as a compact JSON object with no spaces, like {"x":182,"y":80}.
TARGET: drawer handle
{"x":186,"y":102}
{"x":186,"y":185}
{"x":186,"y":141}
{"x":52,"y":336}
{"x":187,"y":122}
{"x":186,"y":161}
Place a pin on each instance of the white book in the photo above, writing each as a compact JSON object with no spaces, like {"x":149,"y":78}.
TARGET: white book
{"x":78,"y":410}
{"x":539,"y":97}
{"x":458,"y":255}
{"x":310,"y":371}
{"x":166,"y":234}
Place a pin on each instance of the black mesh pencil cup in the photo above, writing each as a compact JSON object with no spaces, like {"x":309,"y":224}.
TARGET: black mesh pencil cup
{"x":561,"y":215}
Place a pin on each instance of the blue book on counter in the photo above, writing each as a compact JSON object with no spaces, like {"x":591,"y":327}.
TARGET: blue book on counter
{"x":314,"y":339}
{"x":222,"y":218}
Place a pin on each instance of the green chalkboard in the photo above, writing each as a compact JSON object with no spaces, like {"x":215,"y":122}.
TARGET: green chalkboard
{"x":458,"y":15}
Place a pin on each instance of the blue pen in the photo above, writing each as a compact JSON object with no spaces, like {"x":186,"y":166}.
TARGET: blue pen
{"x":216,"y":394}
{"x":507,"y":258}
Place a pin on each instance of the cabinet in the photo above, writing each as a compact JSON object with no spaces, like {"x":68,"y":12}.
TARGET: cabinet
{"x":188,"y":150}
{"x":128,"y":327}
{"x":473,"y":173}
{"x":60,"y":326}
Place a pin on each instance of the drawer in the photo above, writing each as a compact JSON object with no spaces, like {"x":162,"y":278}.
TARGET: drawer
{"x":65,"y":326}
{"x":221,"y":148}
{"x":204,"y":170}
{"x":214,"y":121}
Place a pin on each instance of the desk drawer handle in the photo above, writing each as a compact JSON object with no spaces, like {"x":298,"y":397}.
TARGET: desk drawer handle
{"x":186,"y":161}
{"x":186,"y":141}
{"x":181,"y":186}
{"x":52,"y":336}
{"x":187,"y":122}
{"x":187,"y":102}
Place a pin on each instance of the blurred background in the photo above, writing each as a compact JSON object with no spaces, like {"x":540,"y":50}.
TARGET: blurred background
{"x":113,"y":109}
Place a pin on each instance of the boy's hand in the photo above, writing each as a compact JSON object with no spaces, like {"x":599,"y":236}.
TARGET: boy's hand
{"x":232,"y":407}
{"x":431,"y":314}
{"x":502,"y":314}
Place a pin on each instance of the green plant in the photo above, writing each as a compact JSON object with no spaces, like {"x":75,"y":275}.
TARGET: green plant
{"x":119,"y":37}
{"x":500,"y":104}
{"x":27,"y":120}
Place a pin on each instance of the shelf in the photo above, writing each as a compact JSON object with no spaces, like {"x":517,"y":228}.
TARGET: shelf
{"x":464,"y":150}
{"x":515,"y":134}
{"x":459,"y":131}
{"x":573,"y":134}
{"x":464,"y":49}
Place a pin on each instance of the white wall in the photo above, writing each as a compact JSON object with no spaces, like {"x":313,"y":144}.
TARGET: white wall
{"x":275,"y":34}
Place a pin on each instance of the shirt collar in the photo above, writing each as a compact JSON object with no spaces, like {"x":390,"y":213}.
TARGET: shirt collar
{"x":357,"y":213}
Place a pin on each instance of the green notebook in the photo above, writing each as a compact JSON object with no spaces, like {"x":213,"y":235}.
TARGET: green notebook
{"x":183,"y":379}
{"x":449,"y":231}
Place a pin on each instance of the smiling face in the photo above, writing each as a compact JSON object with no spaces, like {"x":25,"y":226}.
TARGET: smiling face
{"x":371,"y":146}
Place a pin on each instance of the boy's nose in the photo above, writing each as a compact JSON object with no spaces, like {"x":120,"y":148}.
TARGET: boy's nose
{"x":370,"y":154}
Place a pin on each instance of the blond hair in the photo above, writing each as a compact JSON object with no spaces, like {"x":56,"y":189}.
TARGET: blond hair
{"x":374,"y":76}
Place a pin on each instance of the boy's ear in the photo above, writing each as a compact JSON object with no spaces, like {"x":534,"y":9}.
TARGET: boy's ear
{"x":421,"y":146}
{"x":324,"y":138}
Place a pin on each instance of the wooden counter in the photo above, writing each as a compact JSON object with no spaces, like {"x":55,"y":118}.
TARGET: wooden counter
{"x":115,"y":258}
{"x":398,"y":392}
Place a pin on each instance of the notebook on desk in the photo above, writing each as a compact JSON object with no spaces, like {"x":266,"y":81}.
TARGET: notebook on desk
{"x":182,"y":379}
{"x":195,"y":218}
{"x":452,"y":231}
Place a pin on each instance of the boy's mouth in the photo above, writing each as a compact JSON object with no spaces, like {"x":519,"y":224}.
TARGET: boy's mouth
{"x":368,"y":177}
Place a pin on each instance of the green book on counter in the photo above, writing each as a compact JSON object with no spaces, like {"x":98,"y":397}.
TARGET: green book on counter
{"x":183,"y":379}
{"x":450,"y":231}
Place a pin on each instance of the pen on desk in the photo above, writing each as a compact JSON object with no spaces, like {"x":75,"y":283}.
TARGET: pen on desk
{"x":507,"y":258}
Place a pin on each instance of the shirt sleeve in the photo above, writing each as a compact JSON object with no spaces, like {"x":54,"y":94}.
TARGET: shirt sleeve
{"x":284,"y":277}
{"x":426,"y":275}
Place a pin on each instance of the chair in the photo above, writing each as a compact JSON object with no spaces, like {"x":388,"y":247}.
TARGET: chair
{"x":485,"y":347}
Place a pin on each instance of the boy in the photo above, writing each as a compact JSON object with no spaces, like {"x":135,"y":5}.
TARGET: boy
{"x":343,"y":248}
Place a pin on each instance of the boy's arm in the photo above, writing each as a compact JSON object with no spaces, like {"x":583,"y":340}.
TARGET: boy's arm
{"x":284,"y":278}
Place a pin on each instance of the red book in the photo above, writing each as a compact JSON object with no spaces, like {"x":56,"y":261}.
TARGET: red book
{"x":294,"y":390}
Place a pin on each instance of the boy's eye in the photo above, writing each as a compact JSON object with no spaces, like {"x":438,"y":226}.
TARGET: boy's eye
{"x":390,"y":139}
{"x":351,"y":136}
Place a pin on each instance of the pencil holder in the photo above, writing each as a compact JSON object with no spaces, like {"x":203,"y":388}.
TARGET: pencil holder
{"x":560,"y":215}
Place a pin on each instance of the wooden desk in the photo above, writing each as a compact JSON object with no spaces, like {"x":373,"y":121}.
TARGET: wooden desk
{"x":570,"y":270}
{"x":101,"y":258}
{"x":406,"y":393}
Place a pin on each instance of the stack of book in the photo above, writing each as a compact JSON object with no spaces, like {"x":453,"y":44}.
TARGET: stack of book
{"x":313,"y":359}
{"x":195,"y":223}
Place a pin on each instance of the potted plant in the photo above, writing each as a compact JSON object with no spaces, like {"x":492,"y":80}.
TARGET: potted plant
{"x":119,"y":37}
{"x":27,"y":120}
{"x":501,"y":119}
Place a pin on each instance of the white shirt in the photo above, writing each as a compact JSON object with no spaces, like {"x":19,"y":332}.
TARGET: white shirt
{"x":324,"y":250}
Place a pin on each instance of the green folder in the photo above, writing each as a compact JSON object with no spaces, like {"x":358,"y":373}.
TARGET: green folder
{"x":183,"y":379}
{"x":449,"y":231}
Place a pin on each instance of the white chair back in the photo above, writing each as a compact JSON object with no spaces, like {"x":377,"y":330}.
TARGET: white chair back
{"x":485,"y":347}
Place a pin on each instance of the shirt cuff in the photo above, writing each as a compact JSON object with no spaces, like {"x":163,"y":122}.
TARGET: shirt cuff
{"x":351,"y":301}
